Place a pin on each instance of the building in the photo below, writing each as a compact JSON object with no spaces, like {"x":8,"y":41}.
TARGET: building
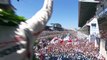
{"x":87,"y":9}
{"x":6,"y":5}
{"x":101,"y":14}
{"x":54,"y":27}
{"x":93,"y":19}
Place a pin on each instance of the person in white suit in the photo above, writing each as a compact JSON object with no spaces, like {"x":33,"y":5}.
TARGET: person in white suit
{"x":16,"y":42}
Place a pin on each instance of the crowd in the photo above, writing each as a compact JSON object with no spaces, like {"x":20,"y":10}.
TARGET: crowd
{"x":103,"y":34}
{"x":44,"y":33}
{"x":50,"y":34}
{"x":72,"y":49}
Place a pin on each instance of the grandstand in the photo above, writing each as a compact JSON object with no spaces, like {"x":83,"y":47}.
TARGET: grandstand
{"x":92,"y":18}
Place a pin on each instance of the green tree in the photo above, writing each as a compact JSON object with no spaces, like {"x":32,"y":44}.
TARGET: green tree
{"x":9,"y":18}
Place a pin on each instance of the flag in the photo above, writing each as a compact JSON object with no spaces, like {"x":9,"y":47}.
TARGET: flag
{"x":54,"y":40}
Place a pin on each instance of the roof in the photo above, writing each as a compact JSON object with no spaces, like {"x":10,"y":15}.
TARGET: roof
{"x":7,"y":4}
{"x":86,"y":11}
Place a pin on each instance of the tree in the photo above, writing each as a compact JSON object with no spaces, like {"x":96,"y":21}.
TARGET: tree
{"x":8,"y":17}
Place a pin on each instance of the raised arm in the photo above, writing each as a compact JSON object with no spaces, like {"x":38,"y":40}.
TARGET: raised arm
{"x":39,"y":20}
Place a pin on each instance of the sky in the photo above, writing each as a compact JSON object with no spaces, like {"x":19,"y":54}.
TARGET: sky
{"x":65,"y":12}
